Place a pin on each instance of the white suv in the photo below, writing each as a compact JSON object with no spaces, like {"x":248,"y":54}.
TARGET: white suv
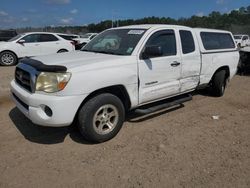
{"x":32,"y":44}
{"x":242,"y":40}
{"x":84,"y":39}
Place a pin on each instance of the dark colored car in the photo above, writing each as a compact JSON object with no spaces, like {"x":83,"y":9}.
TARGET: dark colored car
{"x":6,"y":35}
{"x":244,"y":63}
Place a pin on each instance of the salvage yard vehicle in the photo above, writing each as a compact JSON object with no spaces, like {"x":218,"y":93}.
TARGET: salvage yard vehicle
{"x":32,"y":44}
{"x":70,"y":37}
{"x":99,"y":85}
{"x":84,"y":39}
{"x":244,"y":63}
{"x":242,"y":40}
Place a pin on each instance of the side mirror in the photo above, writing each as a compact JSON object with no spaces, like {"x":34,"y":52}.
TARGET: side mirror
{"x":21,"y":41}
{"x":152,"y":51}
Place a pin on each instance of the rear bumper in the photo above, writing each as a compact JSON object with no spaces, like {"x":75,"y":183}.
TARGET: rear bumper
{"x":63,"y":108}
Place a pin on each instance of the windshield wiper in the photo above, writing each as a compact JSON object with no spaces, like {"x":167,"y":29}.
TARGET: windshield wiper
{"x":102,"y":52}
{"x":84,"y":50}
{"x":105,"y":52}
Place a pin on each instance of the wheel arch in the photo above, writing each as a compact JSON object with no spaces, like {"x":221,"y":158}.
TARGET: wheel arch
{"x":63,"y":49}
{"x":226,"y":68}
{"x":117,"y":90}
{"x":17,"y":58}
{"x":11,"y":52}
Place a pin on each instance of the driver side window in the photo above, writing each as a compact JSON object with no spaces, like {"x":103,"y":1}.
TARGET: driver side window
{"x":166,"y":40}
{"x":31,"y":38}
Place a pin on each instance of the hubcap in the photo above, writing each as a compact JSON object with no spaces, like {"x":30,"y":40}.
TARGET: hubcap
{"x":7,"y":59}
{"x":105,"y":119}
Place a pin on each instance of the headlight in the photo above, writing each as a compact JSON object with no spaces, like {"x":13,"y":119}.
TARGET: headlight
{"x":52,"y":82}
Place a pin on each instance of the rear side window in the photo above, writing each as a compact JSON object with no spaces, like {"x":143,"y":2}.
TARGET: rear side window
{"x":217,"y":41}
{"x":66,"y":37}
{"x":187,"y":42}
{"x":48,"y":38}
{"x":166,"y":40}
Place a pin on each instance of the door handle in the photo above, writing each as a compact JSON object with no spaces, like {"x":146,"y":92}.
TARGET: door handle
{"x":175,"y":64}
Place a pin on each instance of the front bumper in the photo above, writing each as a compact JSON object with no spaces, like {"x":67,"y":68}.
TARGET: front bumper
{"x":64,"y":108}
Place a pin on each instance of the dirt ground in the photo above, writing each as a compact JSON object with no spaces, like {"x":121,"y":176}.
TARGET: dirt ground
{"x":180,"y":147}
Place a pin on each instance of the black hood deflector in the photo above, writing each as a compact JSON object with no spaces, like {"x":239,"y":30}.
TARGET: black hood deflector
{"x":39,"y":66}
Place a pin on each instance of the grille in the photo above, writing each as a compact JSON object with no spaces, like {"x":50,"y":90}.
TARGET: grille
{"x":23,"y":78}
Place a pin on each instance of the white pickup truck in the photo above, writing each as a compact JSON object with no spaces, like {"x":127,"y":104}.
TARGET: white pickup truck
{"x":143,"y":64}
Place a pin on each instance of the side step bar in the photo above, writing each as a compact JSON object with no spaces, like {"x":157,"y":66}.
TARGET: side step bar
{"x":147,"y":109}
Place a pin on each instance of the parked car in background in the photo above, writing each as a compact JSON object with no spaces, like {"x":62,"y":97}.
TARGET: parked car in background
{"x":242,"y":40}
{"x":98,"y":85}
{"x":32,"y":44}
{"x":6,"y":35}
{"x":84,"y":39}
{"x":244,"y":63}
{"x":70,"y":37}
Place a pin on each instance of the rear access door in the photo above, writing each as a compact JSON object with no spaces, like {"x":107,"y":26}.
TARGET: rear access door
{"x":191,"y":61}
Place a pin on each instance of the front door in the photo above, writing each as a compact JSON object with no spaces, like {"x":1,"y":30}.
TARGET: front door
{"x":160,"y":76}
{"x":30,"y":46}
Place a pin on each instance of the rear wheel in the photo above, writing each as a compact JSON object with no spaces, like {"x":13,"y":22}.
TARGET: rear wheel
{"x":8,"y":58}
{"x":101,"y":118}
{"x":219,"y":83}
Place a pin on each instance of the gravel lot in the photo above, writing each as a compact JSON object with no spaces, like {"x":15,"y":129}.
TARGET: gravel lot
{"x":180,"y":147}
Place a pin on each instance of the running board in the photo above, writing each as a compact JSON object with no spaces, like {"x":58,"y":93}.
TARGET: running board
{"x":147,"y":109}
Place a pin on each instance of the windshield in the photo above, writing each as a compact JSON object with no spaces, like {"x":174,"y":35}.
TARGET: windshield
{"x":237,"y":37}
{"x":116,"y":41}
{"x":16,"y":37}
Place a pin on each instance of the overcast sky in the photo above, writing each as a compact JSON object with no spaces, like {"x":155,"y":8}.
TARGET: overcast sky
{"x":35,"y":13}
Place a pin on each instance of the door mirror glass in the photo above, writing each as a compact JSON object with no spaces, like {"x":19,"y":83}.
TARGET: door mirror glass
{"x":21,"y":41}
{"x":152,"y":51}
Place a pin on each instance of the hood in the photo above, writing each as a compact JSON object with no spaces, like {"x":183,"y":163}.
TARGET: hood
{"x":78,"y":59}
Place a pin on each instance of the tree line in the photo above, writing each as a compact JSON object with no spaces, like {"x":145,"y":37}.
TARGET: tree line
{"x":237,"y":21}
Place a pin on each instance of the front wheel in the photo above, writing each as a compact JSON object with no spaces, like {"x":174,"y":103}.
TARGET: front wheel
{"x":8,"y":58}
{"x":219,"y":83}
{"x":101,"y":118}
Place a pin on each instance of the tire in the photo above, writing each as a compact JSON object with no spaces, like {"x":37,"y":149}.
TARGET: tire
{"x":62,"y":51}
{"x":240,"y":68}
{"x":101,"y":118}
{"x":219,"y":83}
{"x":8,"y":58}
